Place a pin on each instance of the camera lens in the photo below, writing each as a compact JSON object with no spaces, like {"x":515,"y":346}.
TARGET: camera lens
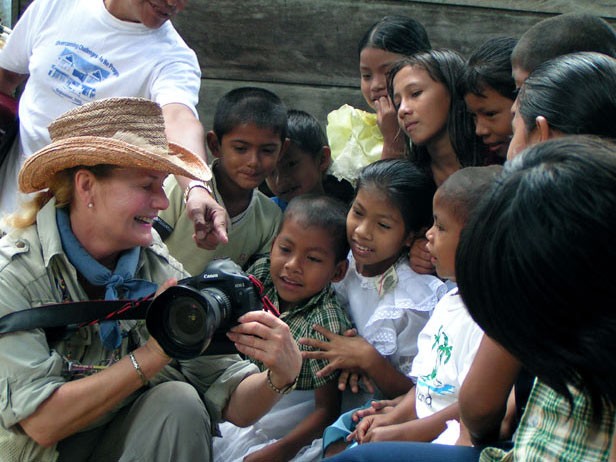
{"x":186,"y":321}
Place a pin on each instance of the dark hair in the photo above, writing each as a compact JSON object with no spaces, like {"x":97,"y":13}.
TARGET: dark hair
{"x":489,"y":66}
{"x":463,"y":190}
{"x":406,"y":186}
{"x":575,"y":93}
{"x":562,"y":34}
{"x":535,"y":264}
{"x":305,"y":132}
{"x":396,"y":34}
{"x":444,"y":66}
{"x":250,"y":105}
{"x":323,"y":212}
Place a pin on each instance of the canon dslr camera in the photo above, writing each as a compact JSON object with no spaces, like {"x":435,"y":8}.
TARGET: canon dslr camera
{"x":185,"y":318}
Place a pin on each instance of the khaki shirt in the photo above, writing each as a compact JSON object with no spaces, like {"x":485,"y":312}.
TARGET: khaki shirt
{"x":35,"y":271}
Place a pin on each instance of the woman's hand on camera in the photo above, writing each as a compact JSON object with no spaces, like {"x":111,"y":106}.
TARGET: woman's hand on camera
{"x":264,"y":337}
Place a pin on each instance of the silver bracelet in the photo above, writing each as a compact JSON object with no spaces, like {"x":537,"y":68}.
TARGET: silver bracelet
{"x":137,"y":367}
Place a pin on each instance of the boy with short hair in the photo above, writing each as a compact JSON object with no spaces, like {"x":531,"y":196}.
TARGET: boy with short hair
{"x":249,"y":135}
{"x":309,"y":252}
{"x":561,"y":35}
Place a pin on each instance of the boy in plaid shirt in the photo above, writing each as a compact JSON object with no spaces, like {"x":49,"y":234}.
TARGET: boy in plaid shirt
{"x":309,"y":252}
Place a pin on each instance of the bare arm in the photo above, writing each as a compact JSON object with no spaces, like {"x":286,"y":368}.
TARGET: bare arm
{"x":485,"y":391}
{"x":327,"y":408}
{"x":78,"y":403}
{"x":9,"y":81}
{"x":209,"y":218}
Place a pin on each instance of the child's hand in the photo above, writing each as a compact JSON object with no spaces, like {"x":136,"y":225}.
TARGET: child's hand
{"x":387,"y":119}
{"x":342,"y":352}
{"x":419,"y":257}
{"x":352,"y":379}
{"x":368,"y":425}
{"x":376,"y":407}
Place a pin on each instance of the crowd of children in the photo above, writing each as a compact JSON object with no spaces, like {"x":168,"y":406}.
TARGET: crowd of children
{"x":436,"y":295}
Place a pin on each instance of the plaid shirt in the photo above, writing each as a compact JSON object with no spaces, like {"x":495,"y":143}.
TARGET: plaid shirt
{"x":322,"y":309}
{"x":547,"y":433}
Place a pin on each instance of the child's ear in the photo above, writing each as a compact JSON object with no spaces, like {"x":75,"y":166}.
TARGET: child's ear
{"x":543,"y":128}
{"x":341,"y":270}
{"x":326,"y":159}
{"x":213,"y":143}
{"x":284,"y":148}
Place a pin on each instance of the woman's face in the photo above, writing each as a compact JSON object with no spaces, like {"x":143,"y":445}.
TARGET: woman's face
{"x":374,"y":64}
{"x":123,"y":209}
{"x":423,"y":105}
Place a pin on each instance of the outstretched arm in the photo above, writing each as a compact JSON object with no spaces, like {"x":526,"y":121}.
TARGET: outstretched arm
{"x":356,"y":354}
{"x":210,"y":218}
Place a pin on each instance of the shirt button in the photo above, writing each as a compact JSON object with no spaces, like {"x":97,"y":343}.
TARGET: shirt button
{"x":20,"y":244}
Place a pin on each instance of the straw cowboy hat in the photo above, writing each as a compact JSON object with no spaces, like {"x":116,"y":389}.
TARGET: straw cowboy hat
{"x":103,"y":132}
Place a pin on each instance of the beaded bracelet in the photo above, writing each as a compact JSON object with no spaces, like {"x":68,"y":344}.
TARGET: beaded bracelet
{"x":284,"y":390}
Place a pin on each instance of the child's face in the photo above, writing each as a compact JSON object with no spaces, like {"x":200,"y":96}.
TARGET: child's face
{"x":375,"y":230}
{"x":296,"y":173}
{"x":519,"y":75}
{"x":374,"y":64}
{"x":491,"y":112}
{"x":247,"y":154}
{"x":423,"y":105}
{"x":303,"y":262}
{"x":443,"y":238}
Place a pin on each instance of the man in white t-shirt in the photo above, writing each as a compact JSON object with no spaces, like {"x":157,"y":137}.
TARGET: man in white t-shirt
{"x":73,"y":52}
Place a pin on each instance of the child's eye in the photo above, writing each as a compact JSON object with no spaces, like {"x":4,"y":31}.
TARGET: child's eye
{"x":292,"y":164}
{"x":490,"y":114}
{"x":384,"y":226}
{"x":366,"y":76}
{"x":417,"y":93}
{"x":357,"y":213}
{"x":284,"y":249}
{"x":314,"y":259}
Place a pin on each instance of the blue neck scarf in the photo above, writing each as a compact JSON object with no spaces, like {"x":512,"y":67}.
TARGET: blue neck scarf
{"x":122,"y":277}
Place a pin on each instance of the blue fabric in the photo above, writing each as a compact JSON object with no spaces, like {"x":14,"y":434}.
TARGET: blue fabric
{"x":341,"y":428}
{"x":407,"y":452}
{"x":280,"y":203}
{"x":98,"y":275}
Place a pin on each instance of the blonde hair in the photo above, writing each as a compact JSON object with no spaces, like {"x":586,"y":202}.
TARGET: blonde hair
{"x":62,"y":185}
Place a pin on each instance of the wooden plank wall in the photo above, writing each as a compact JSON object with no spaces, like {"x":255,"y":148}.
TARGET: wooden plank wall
{"x":305,"y":51}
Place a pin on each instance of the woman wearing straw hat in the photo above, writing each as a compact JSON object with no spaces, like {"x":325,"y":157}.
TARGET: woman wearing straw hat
{"x":88,"y":235}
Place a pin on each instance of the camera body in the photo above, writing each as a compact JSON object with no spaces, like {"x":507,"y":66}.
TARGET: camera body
{"x":199,"y":310}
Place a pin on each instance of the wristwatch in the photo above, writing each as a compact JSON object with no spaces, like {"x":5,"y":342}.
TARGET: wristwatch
{"x":197,"y":184}
{"x":284,"y":390}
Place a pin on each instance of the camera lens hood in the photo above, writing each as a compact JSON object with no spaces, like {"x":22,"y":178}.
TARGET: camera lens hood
{"x":182,"y":321}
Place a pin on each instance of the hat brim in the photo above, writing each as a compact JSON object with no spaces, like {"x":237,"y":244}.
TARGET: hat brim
{"x":39,"y":169}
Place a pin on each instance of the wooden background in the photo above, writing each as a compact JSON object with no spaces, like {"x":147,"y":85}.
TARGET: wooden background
{"x":305,"y":50}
